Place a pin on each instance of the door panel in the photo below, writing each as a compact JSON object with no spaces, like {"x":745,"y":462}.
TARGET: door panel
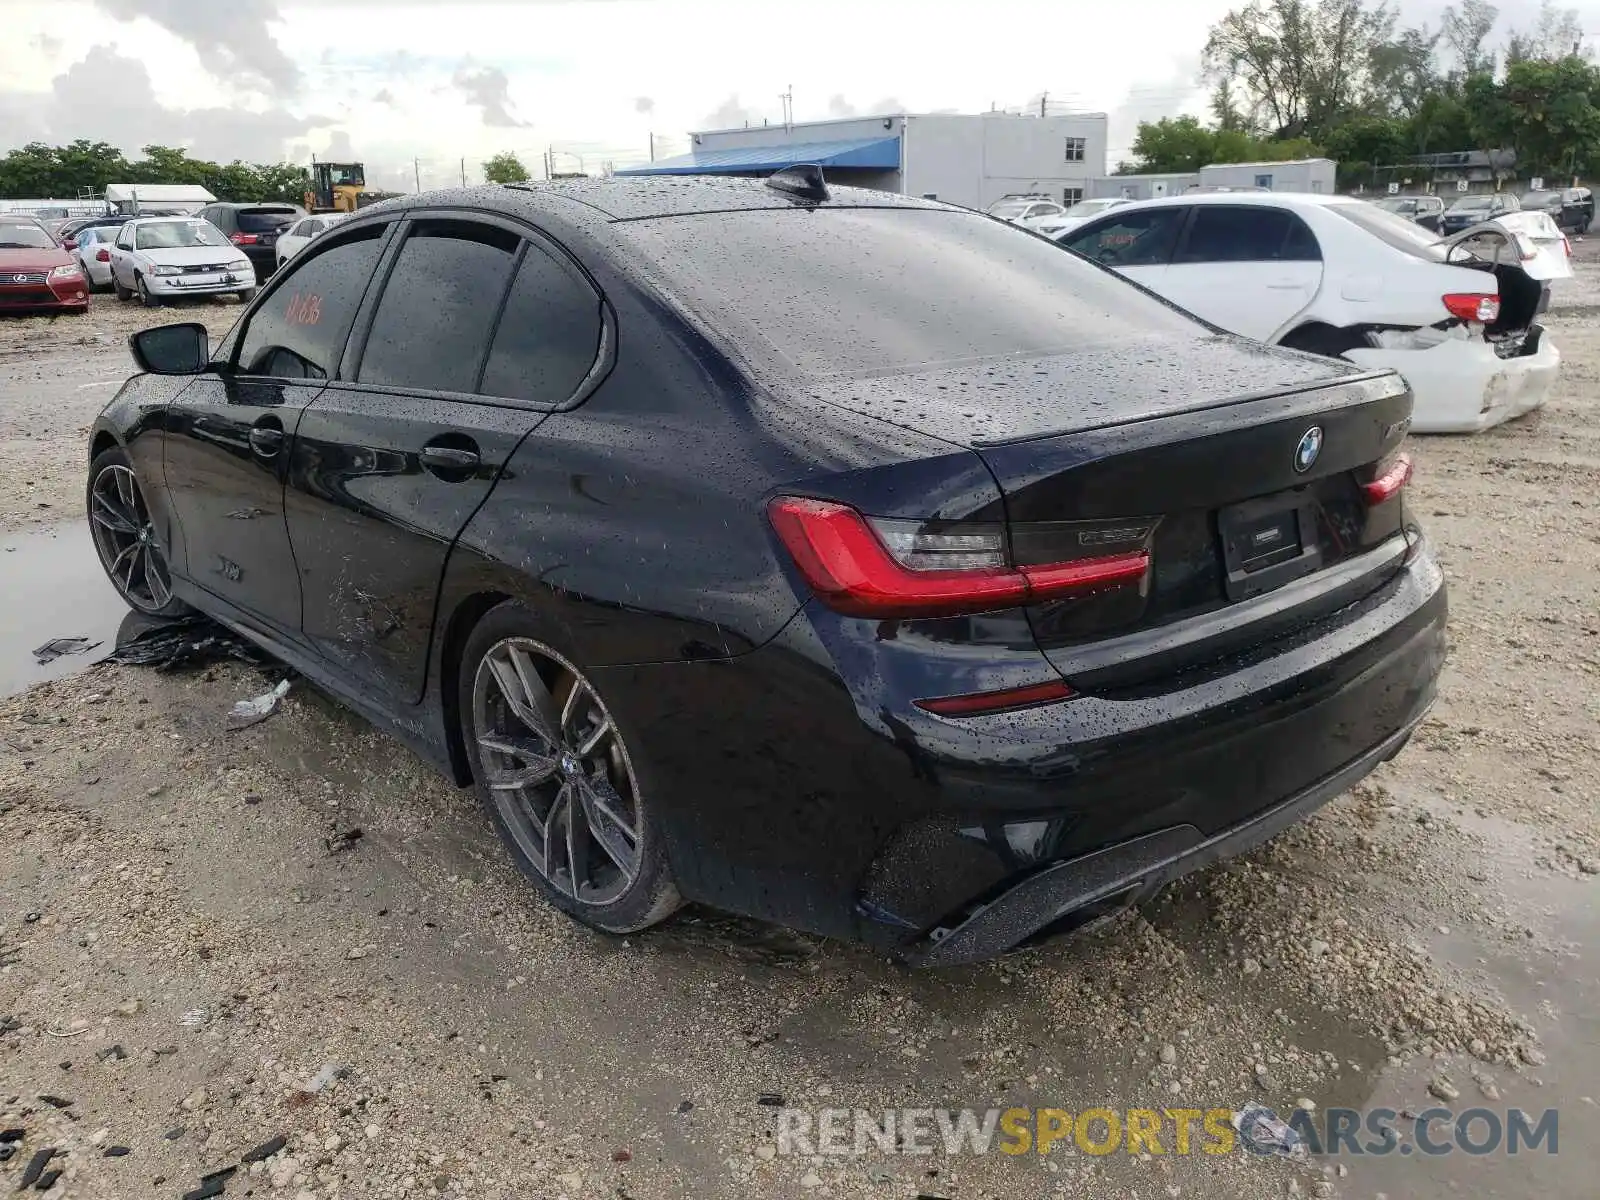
{"x":380,"y":485}
{"x":227,"y":444}
{"x":1248,"y":268}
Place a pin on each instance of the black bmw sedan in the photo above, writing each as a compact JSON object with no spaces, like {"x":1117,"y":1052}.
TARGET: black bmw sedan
{"x":846,"y":560}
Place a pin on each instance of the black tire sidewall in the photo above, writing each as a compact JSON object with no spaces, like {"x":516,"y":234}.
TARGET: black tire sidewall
{"x":653,"y":896}
{"x":116,"y":456}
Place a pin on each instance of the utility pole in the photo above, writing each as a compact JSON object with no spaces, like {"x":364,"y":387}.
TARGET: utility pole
{"x":652,"y":147}
{"x":1044,"y":98}
{"x":463,"y":172}
{"x":788,"y":107}
{"x":416,"y":172}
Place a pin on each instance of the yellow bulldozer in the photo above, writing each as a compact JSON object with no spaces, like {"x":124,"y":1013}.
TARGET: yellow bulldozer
{"x":340,"y":187}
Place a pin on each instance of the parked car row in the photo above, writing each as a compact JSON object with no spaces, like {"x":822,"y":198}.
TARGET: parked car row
{"x":1334,"y":275}
{"x":224,"y":248}
{"x":1572,"y":209}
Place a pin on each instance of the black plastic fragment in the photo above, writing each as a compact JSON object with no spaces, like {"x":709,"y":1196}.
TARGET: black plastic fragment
{"x":35,"y":1167}
{"x":265,"y":1151}
{"x":220,"y":1173}
{"x":47,"y":1180}
{"x":12,"y":1135}
{"x":173,"y":1135}
{"x":770,"y":1100}
{"x":56,"y":1101}
{"x":116,"y":1052}
{"x":60,"y":648}
{"x":6,"y":1151}
{"x":193,"y":641}
{"x":206,"y":1190}
{"x":117,"y":1151}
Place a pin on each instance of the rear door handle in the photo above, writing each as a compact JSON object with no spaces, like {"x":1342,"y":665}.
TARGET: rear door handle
{"x":449,"y":458}
{"x":266,"y":441}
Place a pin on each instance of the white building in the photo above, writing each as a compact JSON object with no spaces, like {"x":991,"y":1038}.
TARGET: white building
{"x":972,"y":160}
{"x":1315,"y":175}
{"x":132,"y":198}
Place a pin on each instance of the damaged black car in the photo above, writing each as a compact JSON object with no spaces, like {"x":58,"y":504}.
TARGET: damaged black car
{"x":840,"y":559}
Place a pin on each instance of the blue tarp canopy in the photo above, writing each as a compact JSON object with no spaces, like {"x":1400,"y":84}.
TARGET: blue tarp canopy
{"x":880,"y":153}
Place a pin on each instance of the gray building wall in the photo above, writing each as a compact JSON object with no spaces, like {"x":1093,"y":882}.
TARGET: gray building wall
{"x":1301,"y":175}
{"x":1140,"y":187}
{"x":968,"y":159}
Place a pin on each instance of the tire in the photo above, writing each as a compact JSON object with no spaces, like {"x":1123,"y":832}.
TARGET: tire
{"x":123,"y":293}
{"x":624,"y":883}
{"x":248,"y":295}
{"x":1324,"y":340}
{"x":125,"y":538}
{"x":145,"y":296}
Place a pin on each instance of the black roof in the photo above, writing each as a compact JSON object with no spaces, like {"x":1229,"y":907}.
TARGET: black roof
{"x":640,"y":197}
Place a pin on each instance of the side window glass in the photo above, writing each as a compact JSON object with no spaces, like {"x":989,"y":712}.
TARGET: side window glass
{"x":433,"y":323}
{"x":1221,"y":234}
{"x":548,"y":336}
{"x":299,"y":331}
{"x":1131,"y":239}
{"x":1301,"y":244}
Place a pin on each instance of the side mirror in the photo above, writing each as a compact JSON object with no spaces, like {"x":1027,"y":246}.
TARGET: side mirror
{"x":172,"y":349}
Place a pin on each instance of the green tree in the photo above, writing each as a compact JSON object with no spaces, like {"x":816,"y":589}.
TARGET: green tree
{"x":505,"y":168}
{"x":1551,"y":111}
{"x":1173,"y":144}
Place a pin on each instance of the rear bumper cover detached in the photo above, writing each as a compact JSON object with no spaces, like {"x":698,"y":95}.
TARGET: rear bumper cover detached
{"x":1464,"y":387}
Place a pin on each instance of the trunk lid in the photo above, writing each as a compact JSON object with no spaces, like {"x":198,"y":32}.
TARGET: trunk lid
{"x":1253,"y":514}
{"x":1528,"y":240}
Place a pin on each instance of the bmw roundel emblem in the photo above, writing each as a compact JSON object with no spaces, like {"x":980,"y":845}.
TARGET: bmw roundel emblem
{"x":1309,"y":449}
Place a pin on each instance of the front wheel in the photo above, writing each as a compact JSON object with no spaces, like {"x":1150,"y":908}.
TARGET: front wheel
{"x":247,"y":295}
{"x":551,"y":764}
{"x":123,"y":293}
{"x":146,"y":297}
{"x":125,"y":537}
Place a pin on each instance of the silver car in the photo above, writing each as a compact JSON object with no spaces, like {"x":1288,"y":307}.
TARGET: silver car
{"x":93,"y":250}
{"x":164,"y":258}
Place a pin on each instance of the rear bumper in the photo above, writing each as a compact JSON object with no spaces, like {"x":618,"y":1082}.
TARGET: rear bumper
{"x":1128,"y":871}
{"x":1464,"y":387}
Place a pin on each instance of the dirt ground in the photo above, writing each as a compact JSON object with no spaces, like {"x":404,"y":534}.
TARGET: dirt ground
{"x":199,"y":953}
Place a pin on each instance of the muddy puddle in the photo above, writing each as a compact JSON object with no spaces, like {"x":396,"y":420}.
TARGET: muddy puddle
{"x":52,"y":586}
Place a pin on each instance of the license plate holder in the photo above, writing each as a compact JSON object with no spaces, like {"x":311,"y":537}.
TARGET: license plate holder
{"x":1267,"y":543}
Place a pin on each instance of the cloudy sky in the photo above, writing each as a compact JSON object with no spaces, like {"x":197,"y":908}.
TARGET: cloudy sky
{"x":389,"y":81}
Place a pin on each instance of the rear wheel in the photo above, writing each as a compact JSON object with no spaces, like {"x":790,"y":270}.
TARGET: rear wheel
{"x":551,"y":764}
{"x":1325,"y":340}
{"x":125,"y":537}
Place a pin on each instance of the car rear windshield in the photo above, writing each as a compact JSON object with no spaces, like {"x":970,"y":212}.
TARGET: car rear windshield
{"x":175,"y":235}
{"x":1542,"y":200}
{"x":1395,"y":230}
{"x":1472,"y":204}
{"x":868,"y":291}
{"x":266,"y":220}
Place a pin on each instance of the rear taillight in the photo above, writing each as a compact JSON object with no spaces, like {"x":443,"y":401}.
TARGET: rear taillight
{"x":243,"y":239}
{"x":103,"y":256}
{"x":1391,"y":478}
{"x":865,"y":567}
{"x":1473,"y":306}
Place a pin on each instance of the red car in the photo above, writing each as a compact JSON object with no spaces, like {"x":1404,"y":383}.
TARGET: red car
{"x":36,"y":273}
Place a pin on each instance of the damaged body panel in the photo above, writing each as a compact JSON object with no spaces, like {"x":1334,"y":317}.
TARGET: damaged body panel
{"x":919,"y":584}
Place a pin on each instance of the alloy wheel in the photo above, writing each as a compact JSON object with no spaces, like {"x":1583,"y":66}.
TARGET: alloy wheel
{"x":126,"y":540}
{"x":557,"y":770}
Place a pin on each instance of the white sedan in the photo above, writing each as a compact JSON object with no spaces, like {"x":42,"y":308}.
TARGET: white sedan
{"x":164,"y":258}
{"x":299,"y":235}
{"x":1080,"y":213}
{"x":1457,"y":317}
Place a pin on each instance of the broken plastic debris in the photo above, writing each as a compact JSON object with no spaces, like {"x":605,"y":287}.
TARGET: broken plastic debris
{"x":246,"y":713}
{"x":1263,"y":1131}
{"x":189,"y":642}
{"x":61,"y":647}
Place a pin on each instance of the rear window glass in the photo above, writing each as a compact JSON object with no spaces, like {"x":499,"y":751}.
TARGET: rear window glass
{"x":863,"y":291}
{"x":1397,"y":231}
{"x":266,"y":220}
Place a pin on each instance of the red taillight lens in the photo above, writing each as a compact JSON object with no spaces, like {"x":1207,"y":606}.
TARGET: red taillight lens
{"x":243,"y":239}
{"x":889,"y":569}
{"x":69,"y":244}
{"x":1008,"y":700}
{"x":1473,"y":306}
{"x":1387,"y":485}
{"x":103,"y":256}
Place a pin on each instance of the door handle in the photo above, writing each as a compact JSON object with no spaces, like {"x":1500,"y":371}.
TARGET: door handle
{"x":449,"y":458}
{"x":266,"y":441}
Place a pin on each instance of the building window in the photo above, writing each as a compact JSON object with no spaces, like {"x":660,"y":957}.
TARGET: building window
{"x":930,"y":195}
{"x":1075,"y":147}
{"x":1264,"y":181}
{"x":1071,"y":195}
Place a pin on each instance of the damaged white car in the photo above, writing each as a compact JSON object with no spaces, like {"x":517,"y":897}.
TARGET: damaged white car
{"x":1457,"y":317}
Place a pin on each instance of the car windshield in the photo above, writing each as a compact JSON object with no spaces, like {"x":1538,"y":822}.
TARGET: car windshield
{"x":266,"y":220}
{"x":1473,"y":204}
{"x":176,"y":235}
{"x":1090,"y":208}
{"x":873,"y":291}
{"x":1006,"y":209}
{"x":1396,"y":230}
{"x":24,"y":237}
